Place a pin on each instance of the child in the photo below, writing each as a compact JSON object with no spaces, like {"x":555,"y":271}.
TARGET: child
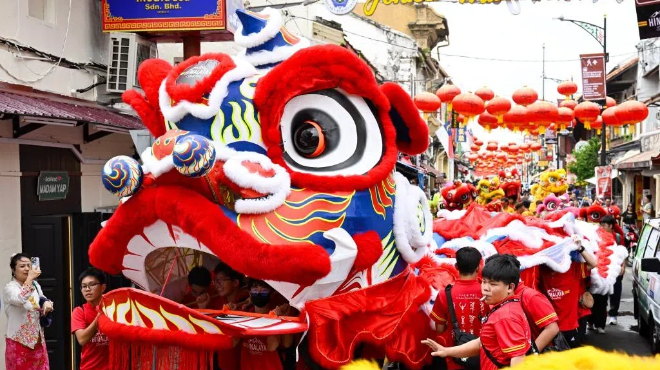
{"x":262,"y":352}
{"x":84,"y":323}
{"x":199,"y":288}
{"x":505,"y":335}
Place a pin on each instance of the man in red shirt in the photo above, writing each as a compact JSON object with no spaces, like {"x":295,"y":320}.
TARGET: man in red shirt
{"x":228,"y":284}
{"x":505,"y":335}
{"x":200,"y":293}
{"x":541,"y":316}
{"x":466,"y":298}
{"x":84,"y":323}
{"x":563,"y":289}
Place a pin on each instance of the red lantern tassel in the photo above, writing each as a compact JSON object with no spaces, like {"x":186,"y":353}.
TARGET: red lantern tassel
{"x":119,"y":355}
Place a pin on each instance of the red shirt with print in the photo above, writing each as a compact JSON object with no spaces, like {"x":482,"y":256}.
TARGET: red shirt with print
{"x":505,"y":335}
{"x":537,"y":308}
{"x":465,"y":295}
{"x":256,"y":356}
{"x":564,"y":292}
{"x":228,"y":359}
{"x":95,"y":354}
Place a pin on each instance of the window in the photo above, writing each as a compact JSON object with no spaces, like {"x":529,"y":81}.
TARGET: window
{"x":646,"y":232}
{"x":42,"y":9}
{"x":652,"y":244}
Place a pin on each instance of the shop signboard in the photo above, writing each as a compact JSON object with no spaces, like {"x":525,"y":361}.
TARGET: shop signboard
{"x":52,"y":185}
{"x":650,"y":142}
{"x":604,"y":181}
{"x":164,"y":15}
{"x":648,"y":18}
{"x":593,"y":76}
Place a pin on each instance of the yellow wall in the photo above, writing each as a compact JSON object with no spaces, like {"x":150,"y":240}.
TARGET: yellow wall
{"x":396,"y":16}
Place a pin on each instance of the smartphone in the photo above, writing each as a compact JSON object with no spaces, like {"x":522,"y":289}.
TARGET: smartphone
{"x":35,"y":263}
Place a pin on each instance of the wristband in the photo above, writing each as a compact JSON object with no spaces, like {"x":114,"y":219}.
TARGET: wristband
{"x":581,"y":249}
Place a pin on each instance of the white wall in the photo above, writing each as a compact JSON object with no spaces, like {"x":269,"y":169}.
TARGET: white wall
{"x":10,"y":221}
{"x":648,"y":84}
{"x":85,"y":42}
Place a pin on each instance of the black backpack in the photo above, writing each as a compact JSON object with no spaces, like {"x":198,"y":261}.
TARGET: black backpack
{"x":461,"y":337}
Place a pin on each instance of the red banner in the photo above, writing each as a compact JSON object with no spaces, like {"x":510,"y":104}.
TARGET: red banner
{"x":604,"y":181}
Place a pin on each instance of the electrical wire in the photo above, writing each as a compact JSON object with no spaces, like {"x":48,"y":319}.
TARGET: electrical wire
{"x":53,"y":66}
{"x":478,"y":57}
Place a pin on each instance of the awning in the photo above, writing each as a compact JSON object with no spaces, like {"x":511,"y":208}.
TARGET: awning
{"x":44,"y":105}
{"x":640,"y":161}
{"x":432,"y":171}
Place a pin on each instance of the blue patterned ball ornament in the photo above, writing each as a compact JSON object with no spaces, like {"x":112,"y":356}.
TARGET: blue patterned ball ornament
{"x":193,"y":156}
{"x":122,"y":176}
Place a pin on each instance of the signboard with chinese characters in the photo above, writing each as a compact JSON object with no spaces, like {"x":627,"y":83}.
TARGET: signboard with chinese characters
{"x":550,"y":136}
{"x":648,"y":18}
{"x":604,"y":181}
{"x":650,"y":142}
{"x":593,"y":76}
{"x":461,"y":135}
{"x":52,"y":185}
{"x":163,"y":15}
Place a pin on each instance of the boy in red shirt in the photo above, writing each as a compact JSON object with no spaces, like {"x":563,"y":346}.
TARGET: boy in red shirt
{"x":200,"y":293}
{"x":505,"y":335}
{"x":260,"y":353}
{"x":563,"y":289}
{"x":541,"y":316}
{"x":227,"y":283}
{"x":466,"y":298}
{"x":84,"y":323}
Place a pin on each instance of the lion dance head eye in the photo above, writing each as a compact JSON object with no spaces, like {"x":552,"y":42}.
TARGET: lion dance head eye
{"x":595,"y":216}
{"x":552,"y":206}
{"x":309,"y":139}
{"x":464,"y":197}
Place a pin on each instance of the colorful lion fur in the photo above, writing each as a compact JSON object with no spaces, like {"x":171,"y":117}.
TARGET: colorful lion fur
{"x":550,"y":182}
{"x":510,"y":183}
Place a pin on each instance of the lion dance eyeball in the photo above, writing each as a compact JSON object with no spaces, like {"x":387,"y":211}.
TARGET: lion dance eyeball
{"x":122,"y":176}
{"x":193,"y":156}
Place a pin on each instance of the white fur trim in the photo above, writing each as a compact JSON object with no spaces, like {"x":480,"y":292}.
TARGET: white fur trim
{"x":273,"y":25}
{"x":278,"y":54}
{"x":605,"y":285}
{"x":416,"y":196}
{"x":556,"y":257}
{"x":278,"y":187}
{"x":155,"y":166}
{"x":530,"y":236}
{"x":401,"y":223}
{"x":486,"y":249}
{"x":451,"y":215}
{"x":218,"y":94}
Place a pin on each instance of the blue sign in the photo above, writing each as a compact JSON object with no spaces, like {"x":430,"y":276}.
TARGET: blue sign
{"x":163,"y":15}
{"x":460,"y":135}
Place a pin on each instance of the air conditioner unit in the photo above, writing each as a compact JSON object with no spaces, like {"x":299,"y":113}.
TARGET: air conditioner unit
{"x":126,"y":52}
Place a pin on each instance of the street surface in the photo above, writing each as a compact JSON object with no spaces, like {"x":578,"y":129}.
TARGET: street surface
{"x":624,"y":336}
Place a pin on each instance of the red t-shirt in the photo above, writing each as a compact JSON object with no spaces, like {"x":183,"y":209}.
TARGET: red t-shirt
{"x":228,"y":359}
{"x":255,"y":356}
{"x":95,"y":354}
{"x":564,"y":291}
{"x":537,"y":308}
{"x":506,"y":335}
{"x":465,"y":295}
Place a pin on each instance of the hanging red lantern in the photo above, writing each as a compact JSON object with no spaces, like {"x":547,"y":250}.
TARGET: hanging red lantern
{"x":564,"y":117}
{"x":525,"y":96}
{"x":525,"y":148}
{"x":478,"y":142}
{"x":516,"y":117}
{"x":487,"y":121}
{"x":609,"y":117}
{"x":609,"y":102}
{"x":472,"y":157}
{"x":542,"y":114}
{"x":447,"y":93}
{"x":427,"y":102}
{"x":461,"y":119}
{"x":567,"y":88}
{"x":492,"y":146}
{"x":468,"y":105}
{"x":587,"y":112}
{"x":597,"y":124}
{"x":501,"y":156}
{"x":474,"y":148}
{"x":485,"y":93}
{"x":570,"y":104}
{"x":498,"y":107}
{"x":535,"y":146}
{"x":631,"y":112}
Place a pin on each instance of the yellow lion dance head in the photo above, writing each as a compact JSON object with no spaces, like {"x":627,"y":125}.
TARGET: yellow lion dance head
{"x":585,"y":358}
{"x":554,"y":181}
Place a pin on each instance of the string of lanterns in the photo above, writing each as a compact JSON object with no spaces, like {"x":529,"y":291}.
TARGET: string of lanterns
{"x":527,"y":114}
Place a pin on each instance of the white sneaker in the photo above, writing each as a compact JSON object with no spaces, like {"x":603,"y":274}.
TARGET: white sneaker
{"x":612,"y":320}
{"x":600,"y":330}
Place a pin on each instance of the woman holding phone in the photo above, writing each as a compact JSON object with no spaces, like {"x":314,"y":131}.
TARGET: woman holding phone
{"x":25,"y":307}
